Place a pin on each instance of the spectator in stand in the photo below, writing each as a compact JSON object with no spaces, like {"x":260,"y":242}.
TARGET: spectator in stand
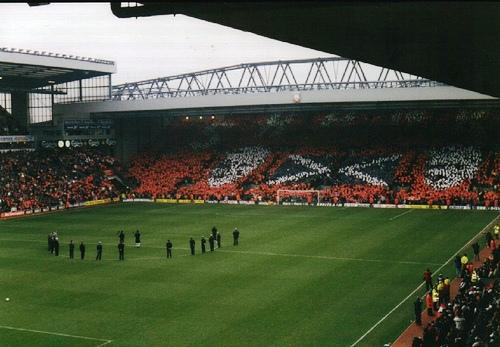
{"x":464,"y":260}
{"x":488,"y":237}
{"x":475,"y":248}
{"x":48,"y":178}
{"x":458,"y":265}
{"x":435,"y":298}
{"x":428,"y":279}
{"x":472,"y":317}
{"x":418,"y":311}
{"x":428,"y":303}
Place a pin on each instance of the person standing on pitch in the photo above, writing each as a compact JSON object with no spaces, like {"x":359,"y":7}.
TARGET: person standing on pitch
{"x":56,"y":246}
{"x":219,"y":244}
{"x":191,"y":245}
{"x":121,"y":251}
{"x":137,"y":239}
{"x":203,"y":242}
{"x":236,"y":236}
{"x":214,"y":232}
{"x":121,"y":235}
{"x":169,"y":249}
{"x":71,"y":249}
{"x":50,"y":243}
{"x":211,"y":242}
{"x":99,"y":251}
{"x":82,"y":251}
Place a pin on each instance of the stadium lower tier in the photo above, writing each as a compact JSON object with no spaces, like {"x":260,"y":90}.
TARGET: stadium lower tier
{"x":48,"y":178}
{"x":446,"y":175}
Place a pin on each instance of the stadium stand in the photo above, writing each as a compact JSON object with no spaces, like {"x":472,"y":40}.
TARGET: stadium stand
{"x":49,"y":178}
{"x":355,"y":158}
{"x":471,"y":318}
{"x":410,"y":159}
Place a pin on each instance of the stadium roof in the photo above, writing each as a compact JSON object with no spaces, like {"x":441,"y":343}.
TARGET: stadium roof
{"x":27,"y":70}
{"x":454,"y":42}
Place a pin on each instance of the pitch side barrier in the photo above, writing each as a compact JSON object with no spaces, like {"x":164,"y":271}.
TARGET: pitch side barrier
{"x":14,"y":214}
{"x":51,"y":209}
{"x":269,"y":203}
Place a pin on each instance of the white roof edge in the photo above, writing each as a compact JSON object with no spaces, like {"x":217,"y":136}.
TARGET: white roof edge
{"x":286,"y":97}
{"x":61,"y":61}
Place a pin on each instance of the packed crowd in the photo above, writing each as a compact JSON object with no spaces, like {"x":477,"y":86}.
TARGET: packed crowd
{"x":49,"y":178}
{"x":251,"y":159}
{"x":472,"y":317}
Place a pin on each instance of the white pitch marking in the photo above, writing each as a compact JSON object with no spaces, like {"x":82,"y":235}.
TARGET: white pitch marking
{"x":104,"y":341}
{"x":327,"y":257}
{"x":421,"y":284}
{"x":402,"y":214}
{"x":271,"y":254}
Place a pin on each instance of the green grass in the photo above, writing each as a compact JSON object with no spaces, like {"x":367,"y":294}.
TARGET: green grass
{"x":301,"y":276}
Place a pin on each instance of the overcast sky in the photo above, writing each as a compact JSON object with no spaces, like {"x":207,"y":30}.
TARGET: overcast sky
{"x":143,"y":48}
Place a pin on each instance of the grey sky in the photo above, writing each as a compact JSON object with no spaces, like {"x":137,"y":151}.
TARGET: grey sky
{"x":143,"y":48}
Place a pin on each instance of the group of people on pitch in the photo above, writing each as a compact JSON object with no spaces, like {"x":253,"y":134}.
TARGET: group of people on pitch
{"x":215,"y":237}
{"x":53,"y":245}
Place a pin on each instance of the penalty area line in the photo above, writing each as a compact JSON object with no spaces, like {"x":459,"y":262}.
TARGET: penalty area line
{"x":421,"y":284}
{"x":103,"y":341}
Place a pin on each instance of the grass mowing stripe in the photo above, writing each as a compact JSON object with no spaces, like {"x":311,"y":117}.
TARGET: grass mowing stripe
{"x":104,"y":341}
{"x":421,"y":284}
{"x":266,"y":253}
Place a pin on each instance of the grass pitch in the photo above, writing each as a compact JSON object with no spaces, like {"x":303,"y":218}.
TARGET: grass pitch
{"x":301,"y":276}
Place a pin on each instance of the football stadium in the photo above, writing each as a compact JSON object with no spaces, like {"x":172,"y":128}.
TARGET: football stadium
{"x":304,"y":202}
